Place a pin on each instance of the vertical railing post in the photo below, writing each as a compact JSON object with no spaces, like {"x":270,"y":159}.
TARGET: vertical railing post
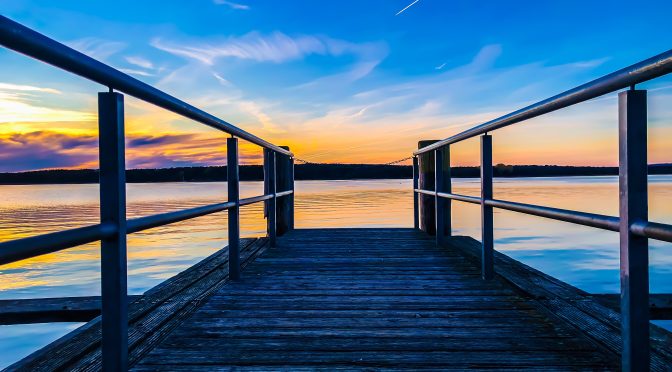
{"x":266,"y":154}
{"x":427,"y":203}
{"x":272,"y":203}
{"x":416,"y":216}
{"x":487,"y":225}
{"x":283,"y":174}
{"x":114,"y":309}
{"x":634,"y":251}
{"x":233,"y":185}
{"x":291,"y":197}
{"x":442,"y":184}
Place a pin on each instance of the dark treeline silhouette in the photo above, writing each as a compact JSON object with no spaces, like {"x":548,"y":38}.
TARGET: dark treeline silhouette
{"x":305,"y":172}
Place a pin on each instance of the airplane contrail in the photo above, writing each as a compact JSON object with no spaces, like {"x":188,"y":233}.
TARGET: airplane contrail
{"x":408,"y":6}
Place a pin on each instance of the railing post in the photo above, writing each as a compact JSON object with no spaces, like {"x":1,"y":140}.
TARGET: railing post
{"x":291,"y":197}
{"x":283,"y":183}
{"x":233,"y":184}
{"x":442,"y":184}
{"x":272,"y":203}
{"x":113,"y":249}
{"x":487,"y":225}
{"x":266,"y":154}
{"x":634,"y":252}
{"x":426,"y":207}
{"x":416,"y":196}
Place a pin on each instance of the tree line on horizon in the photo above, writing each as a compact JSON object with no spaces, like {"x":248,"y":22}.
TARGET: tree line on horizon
{"x":306,"y":172}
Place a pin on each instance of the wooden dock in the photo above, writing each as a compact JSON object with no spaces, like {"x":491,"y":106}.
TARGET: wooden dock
{"x":360,"y":299}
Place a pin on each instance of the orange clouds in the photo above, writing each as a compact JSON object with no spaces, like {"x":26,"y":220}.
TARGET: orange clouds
{"x":53,"y":149}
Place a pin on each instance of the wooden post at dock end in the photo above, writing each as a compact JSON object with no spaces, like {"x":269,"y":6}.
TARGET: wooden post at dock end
{"x":284,"y":182}
{"x":426,"y":203}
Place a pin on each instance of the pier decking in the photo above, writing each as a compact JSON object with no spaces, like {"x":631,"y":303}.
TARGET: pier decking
{"x":360,"y":298}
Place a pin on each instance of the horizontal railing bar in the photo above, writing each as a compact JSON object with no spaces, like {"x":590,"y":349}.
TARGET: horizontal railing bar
{"x":255,"y":199}
{"x":580,"y":218}
{"x":639,"y":72}
{"x":33,"y":44}
{"x":458,"y":197}
{"x":21,"y":249}
{"x":653,"y":230}
{"x":283,"y":193}
{"x":143,"y":223}
{"x":426,"y":192}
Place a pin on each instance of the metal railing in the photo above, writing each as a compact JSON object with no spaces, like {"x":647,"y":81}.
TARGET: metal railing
{"x":113,"y":226}
{"x":433,"y":194}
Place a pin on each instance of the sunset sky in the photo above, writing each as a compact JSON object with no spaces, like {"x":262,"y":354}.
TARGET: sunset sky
{"x":337,"y":81}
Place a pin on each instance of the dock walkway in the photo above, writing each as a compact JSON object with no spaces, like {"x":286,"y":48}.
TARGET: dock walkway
{"x":374,"y":298}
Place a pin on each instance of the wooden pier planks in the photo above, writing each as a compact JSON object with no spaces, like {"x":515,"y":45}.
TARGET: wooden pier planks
{"x":151,"y":316}
{"x":372,"y":298}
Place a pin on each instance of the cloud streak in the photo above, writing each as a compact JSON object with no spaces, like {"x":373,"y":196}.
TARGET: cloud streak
{"x":97,"y":48}
{"x":18,"y":105}
{"x":275,"y":47}
{"x":232,"y":5}
{"x":140,"y":62}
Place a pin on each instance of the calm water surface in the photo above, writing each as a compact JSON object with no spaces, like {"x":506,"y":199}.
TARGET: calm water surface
{"x":582,"y":256}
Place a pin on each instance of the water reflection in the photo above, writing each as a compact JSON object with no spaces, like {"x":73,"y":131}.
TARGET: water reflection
{"x":585,"y":257}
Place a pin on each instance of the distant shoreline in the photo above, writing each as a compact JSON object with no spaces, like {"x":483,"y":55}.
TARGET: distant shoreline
{"x":304,"y":172}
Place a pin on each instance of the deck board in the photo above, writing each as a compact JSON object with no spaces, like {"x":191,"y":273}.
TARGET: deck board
{"x":372,"y":298}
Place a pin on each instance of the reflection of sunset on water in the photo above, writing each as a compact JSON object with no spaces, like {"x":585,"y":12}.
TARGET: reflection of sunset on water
{"x":159,"y":253}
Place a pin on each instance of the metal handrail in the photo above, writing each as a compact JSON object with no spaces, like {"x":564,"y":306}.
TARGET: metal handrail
{"x":639,"y":72}
{"x":33,"y":246}
{"x":33,"y":44}
{"x":632,"y":223}
{"x":114,"y":227}
{"x":24,"y":248}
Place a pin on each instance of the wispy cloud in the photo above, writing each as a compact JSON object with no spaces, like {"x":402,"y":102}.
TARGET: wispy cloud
{"x":99,"y":49}
{"x":132,"y":71}
{"x":408,"y":6}
{"x":221,"y":79}
{"x":440,"y":67}
{"x":276,"y":47}
{"x":232,"y":5}
{"x":27,"y":88}
{"x":140,"y":62}
{"x":18,"y":104}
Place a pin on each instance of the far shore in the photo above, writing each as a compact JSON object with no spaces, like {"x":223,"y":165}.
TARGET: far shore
{"x":305,"y":172}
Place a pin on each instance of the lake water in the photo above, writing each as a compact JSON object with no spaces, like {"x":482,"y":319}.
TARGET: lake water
{"x":582,"y":256}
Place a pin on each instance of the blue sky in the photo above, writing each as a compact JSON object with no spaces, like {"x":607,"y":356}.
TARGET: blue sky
{"x":336,"y":80}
